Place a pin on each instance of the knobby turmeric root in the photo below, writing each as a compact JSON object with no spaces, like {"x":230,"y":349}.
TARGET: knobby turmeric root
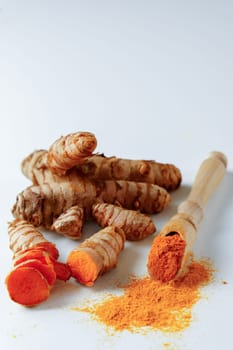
{"x":99,"y":167}
{"x":41,"y":205}
{"x":70,"y":150}
{"x":135,"y":225}
{"x":46,"y":204}
{"x":96,"y":255}
{"x":70,"y":223}
{"x":35,"y":266}
{"x":71,"y":185}
{"x":113,"y":168}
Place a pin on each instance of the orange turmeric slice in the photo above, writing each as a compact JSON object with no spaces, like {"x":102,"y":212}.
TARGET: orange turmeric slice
{"x":33,"y":254}
{"x":49,"y":248}
{"x":62,"y":270}
{"x":47,"y":270}
{"x":27,"y":286}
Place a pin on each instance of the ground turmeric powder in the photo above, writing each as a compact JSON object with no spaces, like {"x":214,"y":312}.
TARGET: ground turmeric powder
{"x":165,"y":257}
{"x":153,"y":304}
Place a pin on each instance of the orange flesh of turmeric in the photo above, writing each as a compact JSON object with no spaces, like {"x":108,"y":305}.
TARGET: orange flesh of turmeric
{"x":27,"y":286}
{"x":165,"y":257}
{"x":61,"y":270}
{"x":83,"y":268}
{"x":32,"y":254}
{"x":47,"y":270}
{"x":49,"y":248}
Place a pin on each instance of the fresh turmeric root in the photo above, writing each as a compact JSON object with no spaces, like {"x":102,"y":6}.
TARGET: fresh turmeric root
{"x":45,"y":205}
{"x":96,"y":255}
{"x":99,"y":167}
{"x":35,"y":265}
{"x":112,"y":168}
{"x":135,"y":225}
{"x":70,"y":150}
{"x":70,"y":223}
{"x":41,"y":205}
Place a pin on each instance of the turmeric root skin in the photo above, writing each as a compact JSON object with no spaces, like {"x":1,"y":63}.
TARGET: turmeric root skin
{"x":70,"y":223}
{"x":23,"y":236}
{"x":113,"y":168}
{"x":96,"y":255}
{"x":70,"y":150}
{"x":41,"y":205}
{"x":135,"y":225}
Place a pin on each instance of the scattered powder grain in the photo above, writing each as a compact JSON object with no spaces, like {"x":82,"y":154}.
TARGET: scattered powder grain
{"x":153,"y":304}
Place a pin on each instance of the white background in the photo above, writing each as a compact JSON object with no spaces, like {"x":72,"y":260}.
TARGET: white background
{"x":151,"y":79}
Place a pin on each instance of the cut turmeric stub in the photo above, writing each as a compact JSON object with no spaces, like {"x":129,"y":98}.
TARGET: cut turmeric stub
{"x":165,"y":257}
{"x":85,"y":267}
{"x":70,"y":150}
{"x":135,"y":225}
{"x":27,"y":286}
{"x":96,"y":255}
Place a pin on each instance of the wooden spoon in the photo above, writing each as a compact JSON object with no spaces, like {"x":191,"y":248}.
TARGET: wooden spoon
{"x":191,"y":211}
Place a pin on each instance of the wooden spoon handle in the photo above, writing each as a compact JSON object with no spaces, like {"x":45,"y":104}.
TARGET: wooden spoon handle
{"x":208,"y":177}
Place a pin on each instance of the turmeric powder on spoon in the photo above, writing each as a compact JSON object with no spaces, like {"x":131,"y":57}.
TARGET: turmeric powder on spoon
{"x":165,"y":257}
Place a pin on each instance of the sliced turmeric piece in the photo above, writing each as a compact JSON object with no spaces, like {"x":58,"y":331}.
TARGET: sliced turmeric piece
{"x":23,"y":236}
{"x":27,"y":286}
{"x":62,"y":270}
{"x":70,"y":223}
{"x":70,"y":150}
{"x":96,"y":255}
{"x":45,"y":268}
{"x":34,"y":257}
{"x":113,"y":168}
{"x":135,"y":225}
{"x":35,"y":253}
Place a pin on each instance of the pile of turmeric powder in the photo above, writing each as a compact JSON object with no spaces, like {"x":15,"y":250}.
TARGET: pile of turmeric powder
{"x":147,"y":304}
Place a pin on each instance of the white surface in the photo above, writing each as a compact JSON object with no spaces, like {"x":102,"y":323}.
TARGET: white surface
{"x":152,"y":79}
